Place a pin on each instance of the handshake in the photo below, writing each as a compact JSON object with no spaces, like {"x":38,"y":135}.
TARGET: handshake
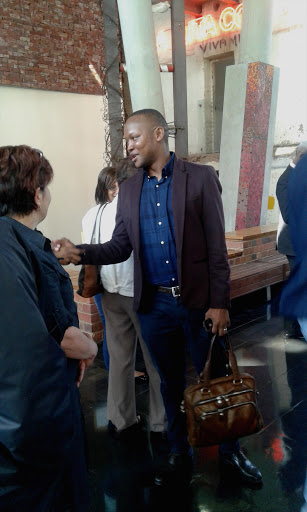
{"x":66,"y":252}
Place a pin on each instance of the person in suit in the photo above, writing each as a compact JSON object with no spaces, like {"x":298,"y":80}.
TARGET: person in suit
{"x":293,"y":302}
{"x":284,"y":244}
{"x":170,"y":214}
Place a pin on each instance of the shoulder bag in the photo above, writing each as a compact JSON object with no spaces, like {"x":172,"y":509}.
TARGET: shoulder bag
{"x":222,"y":409}
{"x":89,"y":279}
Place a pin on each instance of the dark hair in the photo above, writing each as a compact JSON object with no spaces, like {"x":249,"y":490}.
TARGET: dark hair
{"x":106,"y":180}
{"x":156,"y":117}
{"x":126,"y":169}
{"x":22,"y":171}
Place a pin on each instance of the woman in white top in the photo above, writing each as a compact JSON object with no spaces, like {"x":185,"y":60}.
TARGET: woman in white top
{"x":121,"y":321}
{"x":106,"y":191}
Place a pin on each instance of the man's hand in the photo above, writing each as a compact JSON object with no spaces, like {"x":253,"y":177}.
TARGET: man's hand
{"x":220,"y":320}
{"x":66,"y":251}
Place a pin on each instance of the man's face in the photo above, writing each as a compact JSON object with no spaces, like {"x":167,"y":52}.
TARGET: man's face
{"x":139,"y":133}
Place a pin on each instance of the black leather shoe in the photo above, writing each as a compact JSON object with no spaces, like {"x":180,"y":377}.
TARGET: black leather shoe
{"x":293,"y":336}
{"x":178,"y":469}
{"x":126,"y":433}
{"x":243,"y":467}
{"x":158,"y":437}
{"x":141,"y":379}
{"x":180,"y":461}
{"x":292,"y":330}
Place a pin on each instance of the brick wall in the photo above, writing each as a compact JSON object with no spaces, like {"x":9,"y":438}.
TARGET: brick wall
{"x":89,"y":319}
{"x":50,"y":44}
{"x":250,"y":250}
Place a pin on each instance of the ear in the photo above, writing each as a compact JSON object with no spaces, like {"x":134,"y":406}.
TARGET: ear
{"x":159,"y":132}
{"x":38,"y":198}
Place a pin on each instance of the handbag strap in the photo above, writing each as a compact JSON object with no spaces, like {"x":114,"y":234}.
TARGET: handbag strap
{"x":100,"y":210}
{"x":206,"y":372}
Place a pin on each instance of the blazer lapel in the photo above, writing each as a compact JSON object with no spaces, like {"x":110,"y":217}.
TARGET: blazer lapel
{"x":135,"y":212}
{"x":178,"y":201}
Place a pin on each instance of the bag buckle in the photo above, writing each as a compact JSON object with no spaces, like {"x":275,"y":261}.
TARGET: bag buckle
{"x":175,"y":291}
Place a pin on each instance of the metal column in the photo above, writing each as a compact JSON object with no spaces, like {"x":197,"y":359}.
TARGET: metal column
{"x":179,"y":78}
{"x":113,"y":80}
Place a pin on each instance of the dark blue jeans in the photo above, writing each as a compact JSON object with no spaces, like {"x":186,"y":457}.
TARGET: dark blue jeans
{"x":105,"y":352}
{"x":168,"y":330}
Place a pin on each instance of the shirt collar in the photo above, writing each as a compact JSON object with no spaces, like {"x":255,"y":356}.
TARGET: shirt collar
{"x":168,"y":168}
{"x":33,"y":236}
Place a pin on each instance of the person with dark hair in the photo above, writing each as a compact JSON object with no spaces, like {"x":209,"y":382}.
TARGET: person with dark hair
{"x":43,"y":352}
{"x":171,"y":215}
{"x":106,"y":191}
{"x":121,"y":322}
{"x":107,"y":187}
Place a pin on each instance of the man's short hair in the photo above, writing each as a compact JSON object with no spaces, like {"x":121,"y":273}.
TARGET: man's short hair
{"x":156,"y":117}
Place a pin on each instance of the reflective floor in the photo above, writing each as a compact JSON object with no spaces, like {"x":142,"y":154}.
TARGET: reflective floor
{"x":121,"y":473}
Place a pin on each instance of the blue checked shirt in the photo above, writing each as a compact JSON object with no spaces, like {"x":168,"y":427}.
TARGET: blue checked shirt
{"x":157,"y":234}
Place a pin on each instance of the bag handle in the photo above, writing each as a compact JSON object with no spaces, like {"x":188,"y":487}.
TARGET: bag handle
{"x":205,"y":374}
{"x":101,"y":208}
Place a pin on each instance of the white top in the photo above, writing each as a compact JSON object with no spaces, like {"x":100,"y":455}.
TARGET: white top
{"x":116,"y":278}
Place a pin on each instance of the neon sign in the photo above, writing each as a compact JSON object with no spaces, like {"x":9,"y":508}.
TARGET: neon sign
{"x":207,"y":27}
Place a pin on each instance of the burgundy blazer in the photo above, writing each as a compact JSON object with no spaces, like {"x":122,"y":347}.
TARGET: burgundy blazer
{"x":203,"y":269}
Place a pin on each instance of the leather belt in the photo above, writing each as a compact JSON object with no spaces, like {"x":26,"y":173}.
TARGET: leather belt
{"x":174,"y":290}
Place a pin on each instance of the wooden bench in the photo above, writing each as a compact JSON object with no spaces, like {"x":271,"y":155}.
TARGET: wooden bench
{"x":254,"y":261}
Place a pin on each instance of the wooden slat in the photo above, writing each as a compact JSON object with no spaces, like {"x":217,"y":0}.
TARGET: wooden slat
{"x":249,"y":233}
{"x":234,"y":253}
{"x":258,"y":274}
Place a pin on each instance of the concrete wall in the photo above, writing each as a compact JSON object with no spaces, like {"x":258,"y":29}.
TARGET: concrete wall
{"x":68,"y":128}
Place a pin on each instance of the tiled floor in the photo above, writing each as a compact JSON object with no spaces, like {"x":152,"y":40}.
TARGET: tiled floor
{"x":121,"y":473}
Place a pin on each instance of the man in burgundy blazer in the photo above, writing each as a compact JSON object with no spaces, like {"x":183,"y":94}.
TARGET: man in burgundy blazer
{"x":170,"y":214}
{"x":199,"y":234}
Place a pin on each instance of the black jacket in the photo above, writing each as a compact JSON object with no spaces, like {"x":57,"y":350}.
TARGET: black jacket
{"x":293,"y":302}
{"x":284,"y":244}
{"x":41,"y":439}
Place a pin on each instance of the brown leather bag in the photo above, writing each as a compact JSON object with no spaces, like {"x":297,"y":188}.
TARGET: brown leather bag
{"x":89,"y":279}
{"x":222,"y":409}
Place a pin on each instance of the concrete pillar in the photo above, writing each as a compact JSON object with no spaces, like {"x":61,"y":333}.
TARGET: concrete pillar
{"x":250,"y":102}
{"x":142,"y":63}
{"x":256,"y":32}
